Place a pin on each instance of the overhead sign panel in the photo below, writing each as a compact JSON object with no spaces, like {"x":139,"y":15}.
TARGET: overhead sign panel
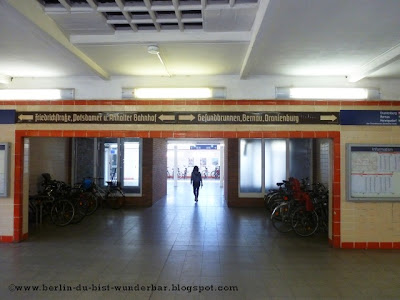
{"x":179,"y":117}
{"x":370,"y":117}
{"x":204,"y":147}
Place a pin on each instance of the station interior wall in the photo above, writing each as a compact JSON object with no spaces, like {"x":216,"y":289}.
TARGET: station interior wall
{"x":354,"y":225}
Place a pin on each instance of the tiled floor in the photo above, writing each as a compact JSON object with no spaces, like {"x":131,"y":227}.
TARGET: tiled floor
{"x":180,"y":243}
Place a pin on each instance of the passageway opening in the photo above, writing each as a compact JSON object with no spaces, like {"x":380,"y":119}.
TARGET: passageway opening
{"x":182,"y":156}
{"x":154,"y":169}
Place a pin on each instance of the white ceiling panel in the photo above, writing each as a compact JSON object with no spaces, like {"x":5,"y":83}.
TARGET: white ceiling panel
{"x":26,"y":51}
{"x":204,"y":59}
{"x":200,"y":37}
{"x":226,"y":20}
{"x":323,"y":37}
{"x":180,"y":59}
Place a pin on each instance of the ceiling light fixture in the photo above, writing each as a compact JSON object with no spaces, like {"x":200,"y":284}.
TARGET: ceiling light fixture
{"x":174,"y":93}
{"x":327,"y":93}
{"x":37,"y":94}
{"x":155,"y":50}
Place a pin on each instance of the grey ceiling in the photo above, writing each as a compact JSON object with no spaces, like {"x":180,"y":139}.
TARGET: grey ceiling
{"x":57,"y":38}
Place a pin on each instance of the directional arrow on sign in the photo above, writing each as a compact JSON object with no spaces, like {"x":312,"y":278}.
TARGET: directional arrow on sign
{"x":25,"y":117}
{"x":167,"y":118}
{"x":186,"y":117}
{"x":328,"y":118}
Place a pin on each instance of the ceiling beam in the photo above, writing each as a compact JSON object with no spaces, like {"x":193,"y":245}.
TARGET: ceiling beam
{"x":375,"y":64}
{"x":178,"y":14}
{"x":262,"y":10}
{"x":152,"y":14}
{"x":126,"y":15}
{"x":92,"y":4}
{"x":33,"y":12}
{"x":67,"y":5}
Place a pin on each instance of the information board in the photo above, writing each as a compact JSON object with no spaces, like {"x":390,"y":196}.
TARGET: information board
{"x":4,"y":169}
{"x":370,"y":117}
{"x":373,"y":172}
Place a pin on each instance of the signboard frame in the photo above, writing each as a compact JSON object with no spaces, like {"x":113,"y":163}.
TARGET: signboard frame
{"x":4,"y":169}
{"x":181,"y":117}
{"x":383,"y":176}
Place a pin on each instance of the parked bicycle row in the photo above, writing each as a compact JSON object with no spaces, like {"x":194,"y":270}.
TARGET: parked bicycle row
{"x":297,"y":205}
{"x":179,"y":174}
{"x":204,"y":174}
{"x":65,"y":205}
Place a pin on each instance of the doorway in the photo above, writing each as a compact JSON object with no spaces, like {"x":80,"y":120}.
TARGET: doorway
{"x":182,"y":156}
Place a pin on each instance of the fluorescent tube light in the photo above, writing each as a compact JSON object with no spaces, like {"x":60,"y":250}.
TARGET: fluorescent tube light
{"x":173,"y":93}
{"x":5,"y":79}
{"x":327,"y":93}
{"x":36,"y":94}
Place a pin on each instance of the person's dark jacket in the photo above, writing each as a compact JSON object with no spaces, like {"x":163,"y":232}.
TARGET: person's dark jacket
{"x":196,"y":179}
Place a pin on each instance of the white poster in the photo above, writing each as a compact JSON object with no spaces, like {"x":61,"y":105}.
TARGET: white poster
{"x":3,"y":169}
{"x":374,"y":172}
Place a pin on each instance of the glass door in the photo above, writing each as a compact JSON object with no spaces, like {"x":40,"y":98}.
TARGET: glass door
{"x":120,"y":161}
{"x":131,"y":164}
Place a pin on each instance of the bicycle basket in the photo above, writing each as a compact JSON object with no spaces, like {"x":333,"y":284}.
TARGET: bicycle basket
{"x":87,"y":183}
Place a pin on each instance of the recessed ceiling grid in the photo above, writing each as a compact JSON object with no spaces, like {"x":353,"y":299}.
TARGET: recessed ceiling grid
{"x":141,"y":15}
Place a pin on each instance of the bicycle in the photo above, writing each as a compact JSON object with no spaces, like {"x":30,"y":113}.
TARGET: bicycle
{"x":113,"y":195}
{"x":281,"y":216}
{"x":285,"y":202}
{"x":307,"y":219}
{"x":184,"y":174}
{"x":274,"y":197}
{"x":205,"y":172}
{"x":84,"y":204}
{"x":216,"y":173}
{"x":52,"y":201}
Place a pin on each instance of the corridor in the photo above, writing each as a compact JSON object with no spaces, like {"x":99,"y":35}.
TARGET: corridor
{"x":177,"y":248}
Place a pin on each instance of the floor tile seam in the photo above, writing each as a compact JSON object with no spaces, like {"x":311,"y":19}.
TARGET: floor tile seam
{"x":164,"y":266}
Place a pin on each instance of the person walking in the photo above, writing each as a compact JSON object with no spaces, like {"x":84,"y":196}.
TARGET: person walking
{"x":197,"y":181}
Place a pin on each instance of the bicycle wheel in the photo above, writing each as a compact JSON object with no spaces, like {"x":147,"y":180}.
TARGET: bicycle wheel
{"x":273,"y":201}
{"x":280,"y":218}
{"x":80,"y":207}
{"x":304,"y":223}
{"x":115,"y":198}
{"x":91,"y":202}
{"x":62,"y":212}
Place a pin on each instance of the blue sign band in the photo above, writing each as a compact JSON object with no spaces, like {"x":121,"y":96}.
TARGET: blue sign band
{"x":7,"y":116}
{"x":369,"y":117}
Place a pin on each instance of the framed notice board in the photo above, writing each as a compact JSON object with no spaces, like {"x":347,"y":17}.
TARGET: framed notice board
{"x":373,"y":172}
{"x":4,"y":167}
